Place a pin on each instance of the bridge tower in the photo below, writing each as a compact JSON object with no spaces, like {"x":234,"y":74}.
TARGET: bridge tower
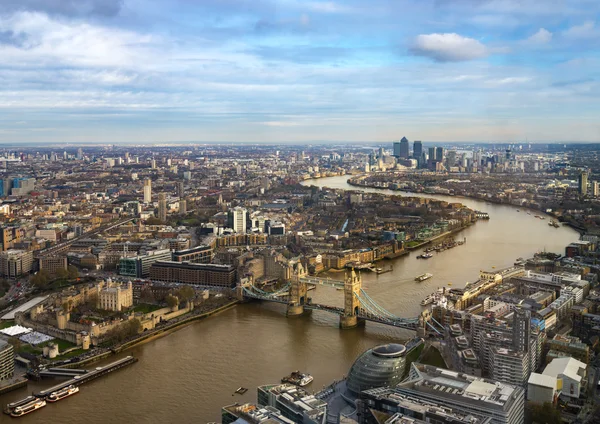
{"x":298,"y":292}
{"x":352,"y":286}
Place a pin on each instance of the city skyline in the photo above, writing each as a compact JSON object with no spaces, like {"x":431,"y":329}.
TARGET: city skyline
{"x":111,"y":71}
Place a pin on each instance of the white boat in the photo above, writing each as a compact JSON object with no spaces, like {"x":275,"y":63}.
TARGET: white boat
{"x":306,"y":379}
{"x":423,"y":277}
{"x":427,"y":301}
{"x":61,"y":394}
{"x":34,"y":405}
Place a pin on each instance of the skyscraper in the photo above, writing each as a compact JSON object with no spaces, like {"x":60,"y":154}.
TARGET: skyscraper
{"x":431,"y":153}
{"x":182,"y":206}
{"x":417,"y":150}
{"x":180,"y":189}
{"x":147,"y":190}
{"x":583,"y":183}
{"x":521,"y":330}
{"x":404,"y":148}
{"x":236,"y":218}
{"x":162,"y":207}
{"x":439,"y":154}
{"x":397,"y":149}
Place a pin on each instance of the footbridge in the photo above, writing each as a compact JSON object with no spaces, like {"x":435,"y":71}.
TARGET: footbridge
{"x":358,"y":305}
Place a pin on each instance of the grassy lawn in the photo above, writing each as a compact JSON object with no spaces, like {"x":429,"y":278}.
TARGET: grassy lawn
{"x":413,"y":243}
{"x":6,"y":324}
{"x":433,"y":357}
{"x":62,"y":344}
{"x":146,"y":308}
{"x":29,"y":349}
{"x":71,"y":354}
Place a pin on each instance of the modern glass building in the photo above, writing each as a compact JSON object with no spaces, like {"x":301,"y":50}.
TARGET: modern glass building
{"x":381,"y":366}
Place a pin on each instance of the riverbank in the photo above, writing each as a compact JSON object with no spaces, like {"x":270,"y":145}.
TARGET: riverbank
{"x":13,"y":386}
{"x":149,"y":336}
{"x":431,"y":240}
{"x":580,"y":230}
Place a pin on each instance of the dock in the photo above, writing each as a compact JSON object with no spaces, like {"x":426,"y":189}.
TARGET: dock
{"x":77,"y":377}
{"x":78,"y":380}
{"x":62,"y":372}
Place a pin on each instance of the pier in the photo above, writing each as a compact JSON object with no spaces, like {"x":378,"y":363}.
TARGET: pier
{"x":78,"y":377}
{"x":78,"y":380}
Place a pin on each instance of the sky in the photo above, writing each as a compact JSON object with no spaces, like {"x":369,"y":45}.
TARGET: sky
{"x":283,"y":71}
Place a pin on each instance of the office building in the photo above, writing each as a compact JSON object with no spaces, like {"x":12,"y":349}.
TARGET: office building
{"x":22,"y":186}
{"x":211,"y":275}
{"x":162,"y":207}
{"x":509,"y":366}
{"x":381,"y":366}
{"x":139,"y":266}
{"x":182,"y":206}
{"x":404,"y":148}
{"x":236,"y":219}
{"x":180,"y":189}
{"x":294,"y":403}
{"x":52,"y":264}
{"x":464,"y":394}
{"x":7,"y":360}
{"x":199,"y":254}
{"x":147,"y":191}
{"x":397,"y":149}
{"x":541,"y":388}
{"x":417,"y":150}
{"x":583,"y":183}
{"x":409,"y":410}
{"x":521,"y":330}
{"x":15,"y":263}
{"x":439,"y":154}
{"x":431,"y":153}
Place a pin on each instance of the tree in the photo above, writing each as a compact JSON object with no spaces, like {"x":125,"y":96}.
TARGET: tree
{"x":172,"y":301}
{"x":543,"y":414}
{"x":62,"y":274}
{"x":186,"y":293}
{"x":147,"y":296}
{"x":16,"y":343}
{"x":40,"y":280}
{"x":73,"y":272}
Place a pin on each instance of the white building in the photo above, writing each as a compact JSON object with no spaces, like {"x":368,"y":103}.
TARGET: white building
{"x":569,"y":374}
{"x":541,"y":388}
{"x":237,"y":219}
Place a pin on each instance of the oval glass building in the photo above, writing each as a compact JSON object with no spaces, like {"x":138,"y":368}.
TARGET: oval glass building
{"x":381,"y":366}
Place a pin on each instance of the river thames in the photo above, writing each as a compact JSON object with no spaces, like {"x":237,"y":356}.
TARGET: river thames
{"x":186,"y":376}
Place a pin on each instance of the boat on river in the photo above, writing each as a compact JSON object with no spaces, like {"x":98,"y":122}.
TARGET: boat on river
{"x":425,"y":256}
{"x":61,"y":394}
{"x":297,"y":378}
{"x":423,"y":277}
{"x":34,"y":405}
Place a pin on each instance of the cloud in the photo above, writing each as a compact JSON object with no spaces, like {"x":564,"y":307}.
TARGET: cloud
{"x":585,"y":30}
{"x":71,"y":8}
{"x":449,"y":47}
{"x":543,"y":36}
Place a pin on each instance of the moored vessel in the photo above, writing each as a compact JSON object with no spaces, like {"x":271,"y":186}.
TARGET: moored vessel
{"x":34,"y":405}
{"x":425,"y":256}
{"x":61,"y":394}
{"x":297,"y":378}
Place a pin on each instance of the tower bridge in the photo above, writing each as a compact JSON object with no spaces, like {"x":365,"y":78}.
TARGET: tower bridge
{"x":358,"y":305}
